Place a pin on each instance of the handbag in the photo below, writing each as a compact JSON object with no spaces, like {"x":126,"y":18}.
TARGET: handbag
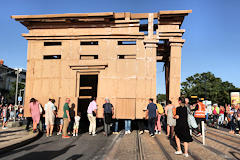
{"x":191,"y":121}
{"x":40,"y":108}
{"x":93,"y":113}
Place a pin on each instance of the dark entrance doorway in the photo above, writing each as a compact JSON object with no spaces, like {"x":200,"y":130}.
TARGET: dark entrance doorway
{"x":87,"y":90}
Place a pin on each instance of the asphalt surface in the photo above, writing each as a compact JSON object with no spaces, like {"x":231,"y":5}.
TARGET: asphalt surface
{"x":55,"y":148}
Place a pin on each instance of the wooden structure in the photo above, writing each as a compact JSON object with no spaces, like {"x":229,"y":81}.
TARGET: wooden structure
{"x":108,"y":54}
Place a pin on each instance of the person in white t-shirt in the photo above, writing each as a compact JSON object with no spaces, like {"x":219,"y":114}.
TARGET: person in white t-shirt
{"x":76,"y":124}
{"x":50,"y":116}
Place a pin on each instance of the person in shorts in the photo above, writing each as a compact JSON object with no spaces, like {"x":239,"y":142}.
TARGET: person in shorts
{"x":76,"y":124}
{"x":60,"y":124}
{"x":50,"y":116}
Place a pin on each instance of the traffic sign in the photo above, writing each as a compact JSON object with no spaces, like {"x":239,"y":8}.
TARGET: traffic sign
{"x":19,"y":99}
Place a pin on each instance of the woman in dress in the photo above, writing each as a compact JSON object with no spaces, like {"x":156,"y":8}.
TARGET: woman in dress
{"x":35,"y":112}
{"x":171,"y":122}
{"x":182,"y":132}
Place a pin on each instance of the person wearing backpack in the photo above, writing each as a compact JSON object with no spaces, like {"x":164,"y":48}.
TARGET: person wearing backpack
{"x":108,"y":113}
{"x":158,"y":119}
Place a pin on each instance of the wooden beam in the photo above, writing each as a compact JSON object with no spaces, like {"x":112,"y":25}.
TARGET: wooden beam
{"x":18,"y":17}
{"x":142,"y":15}
{"x":176,"y":12}
{"x":159,"y":58}
{"x":85,"y":97}
{"x":85,"y":88}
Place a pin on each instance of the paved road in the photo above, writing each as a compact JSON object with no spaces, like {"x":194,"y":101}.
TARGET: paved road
{"x":55,"y":148}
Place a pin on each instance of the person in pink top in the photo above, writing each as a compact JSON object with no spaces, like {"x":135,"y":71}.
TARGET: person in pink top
{"x":35,"y":112}
{"x":91,"y":113}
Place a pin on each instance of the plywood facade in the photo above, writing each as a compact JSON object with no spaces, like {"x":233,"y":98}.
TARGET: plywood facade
{"x":126,"y":72}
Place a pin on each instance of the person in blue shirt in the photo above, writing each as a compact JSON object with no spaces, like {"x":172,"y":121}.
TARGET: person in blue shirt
{"x":151,"y":115}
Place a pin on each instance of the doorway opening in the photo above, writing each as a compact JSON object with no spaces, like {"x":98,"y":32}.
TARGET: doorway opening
{"x":87,"y":91}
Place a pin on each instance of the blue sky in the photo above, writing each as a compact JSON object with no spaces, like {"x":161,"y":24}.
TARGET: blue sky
{"x":212,"y":31}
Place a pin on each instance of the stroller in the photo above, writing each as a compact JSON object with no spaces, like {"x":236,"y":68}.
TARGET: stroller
{"x":213,"y":121}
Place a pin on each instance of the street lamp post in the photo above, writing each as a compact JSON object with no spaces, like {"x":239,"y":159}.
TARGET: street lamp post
{"x":16,"y":93}
{"x":20,"y":95}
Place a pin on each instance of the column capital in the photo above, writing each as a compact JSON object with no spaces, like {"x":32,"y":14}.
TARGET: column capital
{"x":176,"y":42}
{"x":150,"y":43}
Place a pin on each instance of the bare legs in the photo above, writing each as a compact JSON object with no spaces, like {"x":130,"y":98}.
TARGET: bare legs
{"x":34,"y":126}
{"x":185,"y":147}
{"x":49,"y":130}
{"x":172,"y":131}
{"x":168,"y":130}
{"x":179,"y":145}
{"x":60,"y":128}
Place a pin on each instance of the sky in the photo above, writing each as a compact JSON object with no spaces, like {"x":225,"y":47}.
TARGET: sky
{"x":212,"y":31}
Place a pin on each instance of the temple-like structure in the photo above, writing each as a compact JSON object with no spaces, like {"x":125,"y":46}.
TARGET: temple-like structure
{"x":112,"y":55}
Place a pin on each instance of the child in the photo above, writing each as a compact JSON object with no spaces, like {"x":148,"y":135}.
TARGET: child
{"x":5,"y":117}
{"x":76,"y":124}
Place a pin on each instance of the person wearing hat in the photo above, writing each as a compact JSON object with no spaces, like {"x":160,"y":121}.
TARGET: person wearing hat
{"x":199,"y":115}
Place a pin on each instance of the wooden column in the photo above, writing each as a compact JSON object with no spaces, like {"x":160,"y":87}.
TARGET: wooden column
{"x":167,"y":79}
{"x":175,"y":72}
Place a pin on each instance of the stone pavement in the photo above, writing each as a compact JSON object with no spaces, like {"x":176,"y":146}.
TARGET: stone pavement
{"x":14,"y":137}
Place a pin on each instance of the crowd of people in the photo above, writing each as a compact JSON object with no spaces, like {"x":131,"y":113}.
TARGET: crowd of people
{"x":181,"y":121}
{"x":9,"y":112}
{"x":225,"y":116}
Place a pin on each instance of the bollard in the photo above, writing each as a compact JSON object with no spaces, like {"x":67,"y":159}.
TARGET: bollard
{"x":203,"y":132}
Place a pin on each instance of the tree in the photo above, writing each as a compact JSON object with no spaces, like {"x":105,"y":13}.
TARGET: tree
{"x":11,"y":94}
{"x":161,"y":97}
{"x":206,"y":85}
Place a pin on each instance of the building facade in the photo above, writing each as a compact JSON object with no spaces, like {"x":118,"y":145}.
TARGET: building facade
{"x":8,"y":79}
{"x":112,"y":55}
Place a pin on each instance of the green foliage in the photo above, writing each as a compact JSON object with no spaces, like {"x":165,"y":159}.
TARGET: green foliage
{"x":206,"y":85}
{"x":11,"y":95}
{"x":161,"y":97}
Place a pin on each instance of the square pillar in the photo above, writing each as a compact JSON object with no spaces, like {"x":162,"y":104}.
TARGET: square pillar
{"x":175,"y":72}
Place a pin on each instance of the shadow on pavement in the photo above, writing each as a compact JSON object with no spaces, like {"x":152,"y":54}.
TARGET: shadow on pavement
{"x":235,"y":154}
{"x":23,"y":149}
{"x":9,"y":139}
{"x":75,"y":157}
{"x":46,"y":155}
{"x":4,"y":132}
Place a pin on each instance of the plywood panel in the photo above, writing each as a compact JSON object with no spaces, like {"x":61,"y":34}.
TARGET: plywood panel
{"x":126,"y":108}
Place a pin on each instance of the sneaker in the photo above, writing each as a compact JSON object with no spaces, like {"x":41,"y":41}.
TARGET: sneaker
{"x":199,"y":134}
{"x":59,"y":133}
{"x":94,"y":134}
{"x":50,"y":135}
{"x":156,"y":132}
{"x":129,"y":132}
{"x":185,"y":155}
{"x":141,"y":132}
{"x":90,"y":133}
{"x":4,"y":127}
{"x":159,"y":132}
{"x":76,"y":135}
{"x":126,"y":132}
{"x":73,"y":135}
{"x":65,"y":137}
{"x":178,"y":152}
{"x":152,"y":135}
{"x":47,"y":136}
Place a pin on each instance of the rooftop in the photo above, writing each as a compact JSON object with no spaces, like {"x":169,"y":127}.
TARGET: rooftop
{"x":164,"y":17}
